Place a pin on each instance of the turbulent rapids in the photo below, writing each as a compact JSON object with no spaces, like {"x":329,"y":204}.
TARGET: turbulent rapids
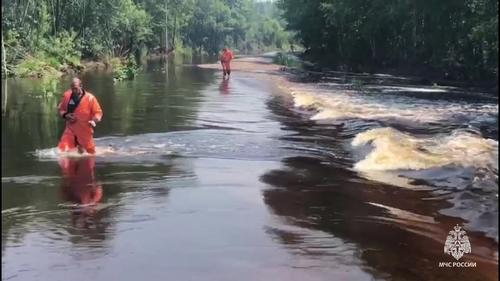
{"x":405,"y":110}
{"x":394,"y":150}
{"x":436,"y":133}
{"x":440,"y":138}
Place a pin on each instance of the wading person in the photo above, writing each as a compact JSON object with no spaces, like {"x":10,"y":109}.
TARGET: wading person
{"x":225,"y":60}
{"x":82,"y":111}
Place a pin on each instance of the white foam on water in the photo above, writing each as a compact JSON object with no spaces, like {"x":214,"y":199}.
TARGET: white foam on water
{"x":394,"y":150}
{"x":154,"y":147}
{"x":31,"y":179}
{"x":50,"y":154}
{"x":354,"y":105}
{"x":388,"y":89}
{"x":406,"y":215}
{"x":461,"y":166}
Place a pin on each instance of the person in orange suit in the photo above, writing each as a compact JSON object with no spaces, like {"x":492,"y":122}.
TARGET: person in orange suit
{"x":225,"y":59}
{"x":82,"y":111}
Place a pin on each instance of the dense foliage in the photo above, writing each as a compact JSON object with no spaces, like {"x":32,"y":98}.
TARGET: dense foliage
{"x":458,"y":38}
{"x":55,"y":34}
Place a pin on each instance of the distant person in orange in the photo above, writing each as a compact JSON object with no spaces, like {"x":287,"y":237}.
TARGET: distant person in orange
{"x":82,"y":111}
{"x":225,"y":59}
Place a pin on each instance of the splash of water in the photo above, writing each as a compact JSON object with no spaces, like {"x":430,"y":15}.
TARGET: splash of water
{"x":394,"y":150}
{"x":405,"y":110}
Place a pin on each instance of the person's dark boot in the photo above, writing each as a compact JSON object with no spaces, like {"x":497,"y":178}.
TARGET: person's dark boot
{"x":80,"y":150}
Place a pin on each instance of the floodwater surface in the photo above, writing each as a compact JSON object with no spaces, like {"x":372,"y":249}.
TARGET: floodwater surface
{"x":200,"y":178}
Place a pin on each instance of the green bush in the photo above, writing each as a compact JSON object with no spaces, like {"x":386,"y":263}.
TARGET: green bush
{"x":36,"y":66}
{"x":124,"y":70}
{"x":287,"y":60}
{"x":62,"y":49}
{"x":48,"y":85}
{"x":55,"y":54}
{"x":113,"y":63}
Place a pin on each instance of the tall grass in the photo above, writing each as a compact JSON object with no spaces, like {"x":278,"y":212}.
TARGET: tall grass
{"x":287,"y":60}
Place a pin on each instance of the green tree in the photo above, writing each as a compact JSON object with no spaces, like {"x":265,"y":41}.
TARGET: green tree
{"x":57,"y":33}
{"x":458,"y":38}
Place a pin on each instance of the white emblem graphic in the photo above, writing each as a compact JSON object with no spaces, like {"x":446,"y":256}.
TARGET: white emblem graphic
{"x":457,"y":243}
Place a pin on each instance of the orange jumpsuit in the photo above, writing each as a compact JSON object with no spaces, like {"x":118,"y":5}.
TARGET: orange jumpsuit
{"x":225,"y":60}
{"x":80,"y":132}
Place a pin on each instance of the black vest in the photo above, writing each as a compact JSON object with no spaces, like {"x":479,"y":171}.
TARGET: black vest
{"x":74,"y":101}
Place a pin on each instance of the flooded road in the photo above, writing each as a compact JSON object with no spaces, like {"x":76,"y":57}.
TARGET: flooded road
{"x":199,"y":178}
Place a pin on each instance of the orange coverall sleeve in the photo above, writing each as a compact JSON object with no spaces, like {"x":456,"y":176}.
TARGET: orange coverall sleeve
{"x":63,"y":105}
{"x":96,"y":110}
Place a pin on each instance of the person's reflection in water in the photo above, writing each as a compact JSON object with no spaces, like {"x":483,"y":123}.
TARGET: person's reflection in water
{"x":80,"y":188}
{"x":224,"y":86}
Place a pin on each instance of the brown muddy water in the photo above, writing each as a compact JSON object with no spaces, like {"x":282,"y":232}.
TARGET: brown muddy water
{"x":199,"y":178}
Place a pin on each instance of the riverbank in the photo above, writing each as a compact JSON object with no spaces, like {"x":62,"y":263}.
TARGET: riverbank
{"x":48,"y":68}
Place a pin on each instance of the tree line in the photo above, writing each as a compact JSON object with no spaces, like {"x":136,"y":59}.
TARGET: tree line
{"x":39,"y":34}
{"x":456,"y":38}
